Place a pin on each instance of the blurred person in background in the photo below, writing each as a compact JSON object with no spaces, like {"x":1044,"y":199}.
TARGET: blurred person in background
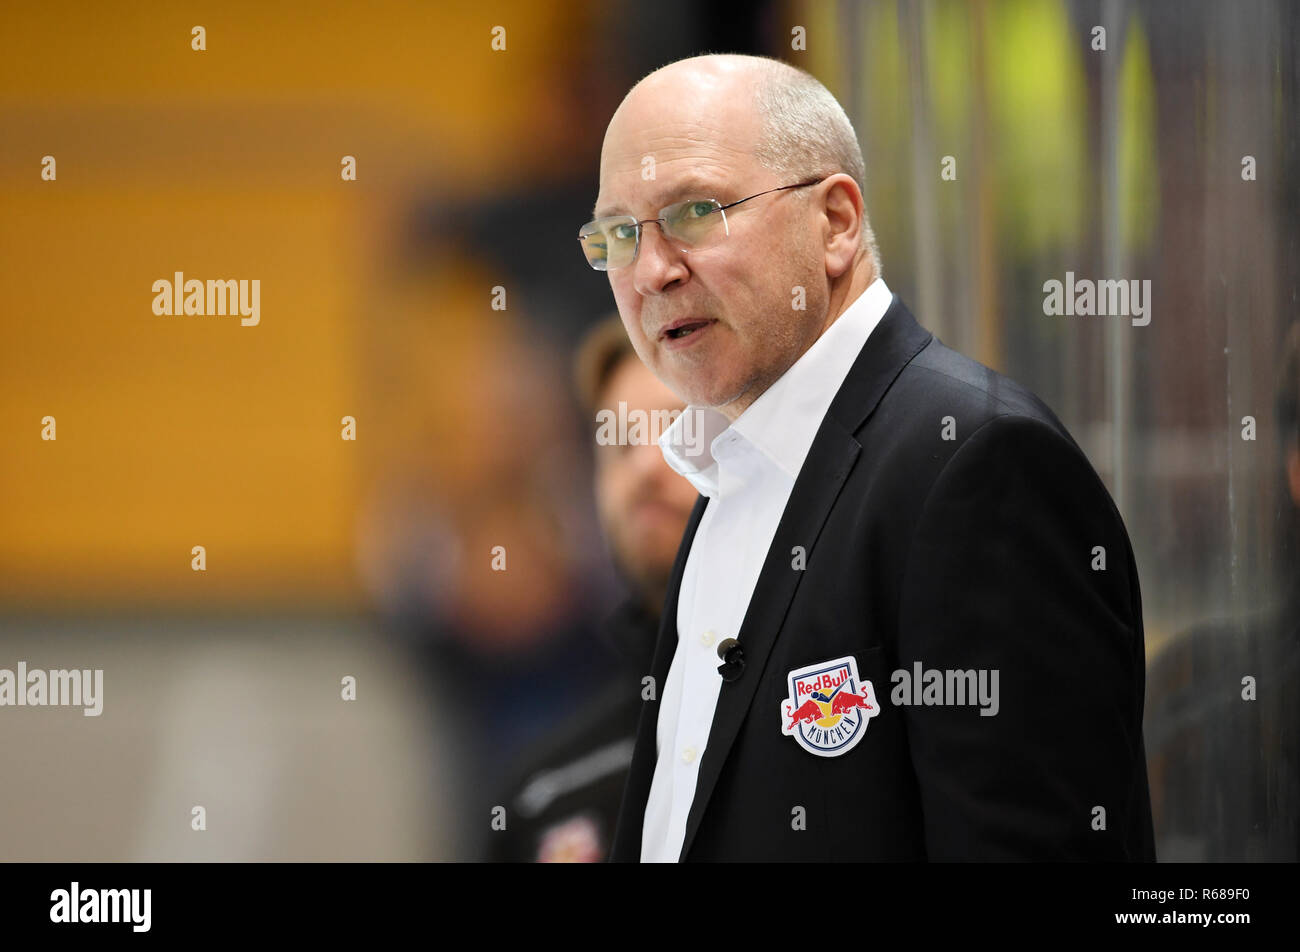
{"x":477,"y":543}
{"x":564,"y":807}
{"x":1225,"y":755}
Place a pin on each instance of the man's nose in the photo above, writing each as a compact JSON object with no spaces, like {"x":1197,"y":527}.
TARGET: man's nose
{"x":659,"y":262}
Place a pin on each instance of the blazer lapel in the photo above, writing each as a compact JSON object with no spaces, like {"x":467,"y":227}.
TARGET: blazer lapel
{"x":832,"y":456}
{"x":631,"y":815}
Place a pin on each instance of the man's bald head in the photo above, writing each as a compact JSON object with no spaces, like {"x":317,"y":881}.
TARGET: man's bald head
{"x":801,"y":129}
{"x":718,"y":323}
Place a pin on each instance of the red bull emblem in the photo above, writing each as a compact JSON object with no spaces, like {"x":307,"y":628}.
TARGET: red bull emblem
{"x":828,"y":707}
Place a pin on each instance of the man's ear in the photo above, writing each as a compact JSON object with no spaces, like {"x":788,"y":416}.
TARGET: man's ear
{"x":844,"y":218}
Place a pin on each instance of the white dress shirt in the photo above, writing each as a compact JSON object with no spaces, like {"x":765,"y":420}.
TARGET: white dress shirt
{"x":747,"y":471}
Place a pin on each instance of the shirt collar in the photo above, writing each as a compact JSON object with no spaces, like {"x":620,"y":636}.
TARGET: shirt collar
{"x":785,"y":418}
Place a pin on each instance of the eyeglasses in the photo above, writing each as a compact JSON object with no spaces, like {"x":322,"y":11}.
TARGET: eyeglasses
{"x":692,"y":225}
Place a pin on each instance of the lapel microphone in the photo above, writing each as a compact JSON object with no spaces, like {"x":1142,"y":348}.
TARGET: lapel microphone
{"x":733,"y":659}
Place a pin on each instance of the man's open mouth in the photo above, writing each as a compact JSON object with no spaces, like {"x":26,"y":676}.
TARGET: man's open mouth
{"x":685,"y":329}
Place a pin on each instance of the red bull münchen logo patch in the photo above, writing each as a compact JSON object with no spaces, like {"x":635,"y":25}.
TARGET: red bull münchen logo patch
{"x":828,"y":707}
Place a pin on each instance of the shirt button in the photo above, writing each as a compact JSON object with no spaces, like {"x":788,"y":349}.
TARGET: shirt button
{"x":706,"y":639}
{"x":688,"y":755}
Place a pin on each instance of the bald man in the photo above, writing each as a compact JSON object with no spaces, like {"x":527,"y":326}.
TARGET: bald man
{"x":904,"y":622}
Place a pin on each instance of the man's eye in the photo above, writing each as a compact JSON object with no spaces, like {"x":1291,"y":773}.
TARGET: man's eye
{"x":624,"y":232}
{"x":698,"y":209}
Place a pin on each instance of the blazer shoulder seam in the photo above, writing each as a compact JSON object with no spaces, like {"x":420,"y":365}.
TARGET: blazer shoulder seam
{"x":1011,"y":410}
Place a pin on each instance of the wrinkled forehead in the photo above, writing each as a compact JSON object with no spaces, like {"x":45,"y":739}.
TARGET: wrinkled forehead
{"x":654,"y":155}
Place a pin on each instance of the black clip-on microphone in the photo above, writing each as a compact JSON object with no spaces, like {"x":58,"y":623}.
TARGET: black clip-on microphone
{"x":733,"y":659}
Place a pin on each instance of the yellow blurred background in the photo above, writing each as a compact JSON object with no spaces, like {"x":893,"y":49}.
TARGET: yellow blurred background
{"x":225,"y":163}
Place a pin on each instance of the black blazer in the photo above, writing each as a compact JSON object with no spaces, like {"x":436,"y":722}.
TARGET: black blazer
{"x":972,"y":552}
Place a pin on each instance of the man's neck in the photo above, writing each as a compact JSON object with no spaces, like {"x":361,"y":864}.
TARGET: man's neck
{"x":864,"y":273}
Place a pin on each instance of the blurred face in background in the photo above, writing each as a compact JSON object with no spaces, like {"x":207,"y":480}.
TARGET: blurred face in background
{"x":700,"y":127}
{"x":642,"y":503}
